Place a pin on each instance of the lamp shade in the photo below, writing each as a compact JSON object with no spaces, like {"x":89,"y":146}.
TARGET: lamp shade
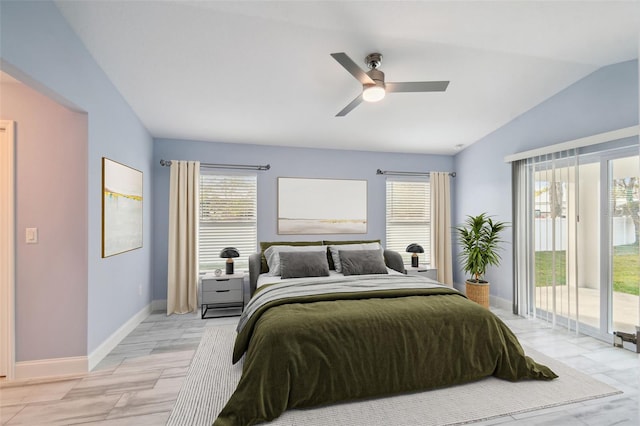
{"x":415,"y":248}
{"x":228,"y":252}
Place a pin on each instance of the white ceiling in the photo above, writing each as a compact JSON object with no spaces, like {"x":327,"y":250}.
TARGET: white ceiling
{"x":259,"y":72}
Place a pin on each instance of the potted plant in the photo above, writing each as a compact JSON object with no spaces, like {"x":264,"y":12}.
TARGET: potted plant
{"x":480,"y":240}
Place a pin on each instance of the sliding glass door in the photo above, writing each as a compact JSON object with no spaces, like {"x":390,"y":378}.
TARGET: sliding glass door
{"x":589,"y":252}
{"x":624,"y":256}
{"x":553,"y":187}
{"x":577,"y":257}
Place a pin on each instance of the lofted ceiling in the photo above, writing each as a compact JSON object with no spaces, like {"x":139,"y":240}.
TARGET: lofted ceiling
{"x":260,"y":72}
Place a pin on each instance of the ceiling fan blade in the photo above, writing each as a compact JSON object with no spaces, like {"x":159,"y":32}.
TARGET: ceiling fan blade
{"x":354,"y":103}
{"x":353,"y":69}
{"x":417,"y":86}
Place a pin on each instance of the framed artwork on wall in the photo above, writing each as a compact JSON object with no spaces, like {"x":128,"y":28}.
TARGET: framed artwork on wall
{"x":121,"y":208}
{"x":322,"y":206}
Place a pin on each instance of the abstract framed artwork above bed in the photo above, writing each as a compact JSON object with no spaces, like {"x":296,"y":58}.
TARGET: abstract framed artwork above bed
{"x":314,"y":206}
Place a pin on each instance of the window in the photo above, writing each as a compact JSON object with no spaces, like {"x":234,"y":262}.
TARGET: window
{"x":227,"y":218}
{"x":408,"y":216}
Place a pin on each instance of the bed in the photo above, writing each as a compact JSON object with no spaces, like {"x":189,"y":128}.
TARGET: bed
{"x":355,"y":326}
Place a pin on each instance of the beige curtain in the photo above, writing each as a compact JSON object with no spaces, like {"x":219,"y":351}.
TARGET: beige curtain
{"x":441,"y":226}
{"x":182,"y":277}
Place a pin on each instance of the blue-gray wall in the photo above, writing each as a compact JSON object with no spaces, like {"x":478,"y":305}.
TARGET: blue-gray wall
{"x":285,"y":162}
{"x":604,"y":100}
{"x":39,"y":47}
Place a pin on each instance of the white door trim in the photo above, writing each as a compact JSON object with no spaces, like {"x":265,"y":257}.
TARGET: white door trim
{"x":7,"y":248}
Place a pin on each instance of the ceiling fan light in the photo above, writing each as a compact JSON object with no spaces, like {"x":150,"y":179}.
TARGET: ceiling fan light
{"x":373,"y":93}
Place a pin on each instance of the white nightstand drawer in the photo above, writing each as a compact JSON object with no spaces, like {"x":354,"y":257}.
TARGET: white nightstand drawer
{"x":221,"y":284}
{"x":221,"y":296}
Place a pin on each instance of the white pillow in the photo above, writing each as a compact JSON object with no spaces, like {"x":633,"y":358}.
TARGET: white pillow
{"x":364,"y":246}
{"x":272,"y":254}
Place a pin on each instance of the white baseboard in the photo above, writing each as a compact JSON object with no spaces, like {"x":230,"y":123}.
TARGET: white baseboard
{"x":494,"y":301}
{"x":159,"y":305}
{"x":112,"y":341}
{"x":74,"y":366}
{"x":54,"y":367}
{"x":499,"y":302}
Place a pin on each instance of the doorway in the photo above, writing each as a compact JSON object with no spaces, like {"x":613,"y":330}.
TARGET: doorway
{"x":7,"y":248}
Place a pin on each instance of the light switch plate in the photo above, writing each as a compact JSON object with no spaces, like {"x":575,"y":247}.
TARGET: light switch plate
{"x":31,"y":236}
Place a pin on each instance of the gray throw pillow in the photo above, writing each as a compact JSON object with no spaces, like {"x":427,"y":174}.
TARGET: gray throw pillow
{"x":300,"y":264}
{"x":272,"y":254}
{"x":335,"y":250}
{"x":362,"y":262}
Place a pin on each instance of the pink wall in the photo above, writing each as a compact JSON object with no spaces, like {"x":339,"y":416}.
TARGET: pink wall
{"x":51,"y":195}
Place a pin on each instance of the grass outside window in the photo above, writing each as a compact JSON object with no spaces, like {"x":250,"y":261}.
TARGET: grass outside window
{"x":626,"y":269}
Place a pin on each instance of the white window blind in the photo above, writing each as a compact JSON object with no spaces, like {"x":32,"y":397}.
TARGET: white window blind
{"x":228,"y":217}
{"x":408,"y":216}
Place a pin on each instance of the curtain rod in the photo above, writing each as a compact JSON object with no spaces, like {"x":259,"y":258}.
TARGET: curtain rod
{"x":576,"y":143}
{"x":389,"y":172}
{"x":167,"y":163}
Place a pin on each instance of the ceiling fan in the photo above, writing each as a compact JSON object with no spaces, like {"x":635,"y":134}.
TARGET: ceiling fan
{"x":373,"y":85}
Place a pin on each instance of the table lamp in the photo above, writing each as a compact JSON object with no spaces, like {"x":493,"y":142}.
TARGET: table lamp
{"x":229,"y":253}
{"x":415,"y":249}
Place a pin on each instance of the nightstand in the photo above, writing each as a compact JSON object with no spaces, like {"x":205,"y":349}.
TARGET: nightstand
{"x":223,"y":293}
{"x":424,"y":271}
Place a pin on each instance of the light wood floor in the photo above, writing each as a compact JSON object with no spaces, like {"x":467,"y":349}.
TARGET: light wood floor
{"x":137,"y":383}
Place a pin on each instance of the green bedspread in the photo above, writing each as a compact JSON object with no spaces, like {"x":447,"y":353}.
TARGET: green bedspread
{"x":317,"y":349}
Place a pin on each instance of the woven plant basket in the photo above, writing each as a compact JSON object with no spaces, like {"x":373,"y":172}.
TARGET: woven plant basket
{"x":478,"y":292}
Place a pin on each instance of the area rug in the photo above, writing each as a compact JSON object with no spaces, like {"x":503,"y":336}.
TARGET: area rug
{"x":212,"y":378}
